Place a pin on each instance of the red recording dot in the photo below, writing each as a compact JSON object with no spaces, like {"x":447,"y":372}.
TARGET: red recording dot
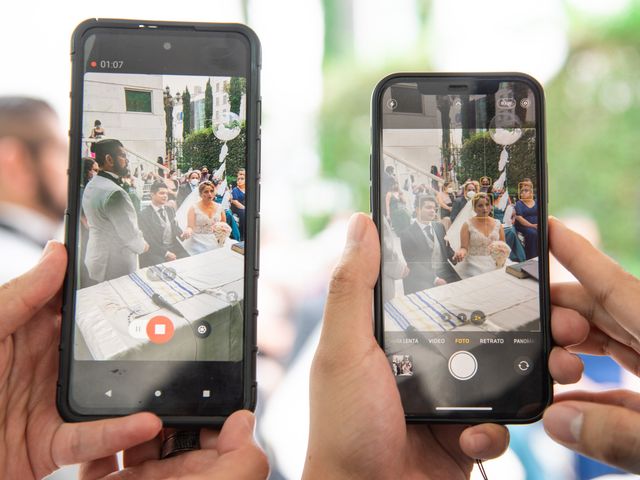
{"x":93,"y":64}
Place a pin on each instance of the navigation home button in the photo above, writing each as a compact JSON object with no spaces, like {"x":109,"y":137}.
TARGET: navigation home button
{"x":463,"y":365}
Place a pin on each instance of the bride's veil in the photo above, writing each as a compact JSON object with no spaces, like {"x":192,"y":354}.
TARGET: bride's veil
{"x":181,"y":213}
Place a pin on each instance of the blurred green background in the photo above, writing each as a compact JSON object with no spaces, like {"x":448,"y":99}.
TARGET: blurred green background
{"x":593,"y":116}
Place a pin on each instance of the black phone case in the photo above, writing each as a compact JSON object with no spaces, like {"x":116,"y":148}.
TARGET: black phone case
{"x":376,"y":208}
{"x":252,"y":199}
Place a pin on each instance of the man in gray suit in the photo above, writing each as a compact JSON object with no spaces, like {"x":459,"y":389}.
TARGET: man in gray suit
{"x":115,"y":241}
{"x":425,"y":250}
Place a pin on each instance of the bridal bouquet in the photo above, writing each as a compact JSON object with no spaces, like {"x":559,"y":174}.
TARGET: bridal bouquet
{"x":221,"y":231}
{"x":499,"y":251}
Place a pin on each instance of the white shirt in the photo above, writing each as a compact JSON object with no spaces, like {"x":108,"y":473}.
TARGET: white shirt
{"x":23,"y":235}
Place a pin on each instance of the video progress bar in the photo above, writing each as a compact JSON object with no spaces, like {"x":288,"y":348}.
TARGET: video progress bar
{"x":487,"y":409}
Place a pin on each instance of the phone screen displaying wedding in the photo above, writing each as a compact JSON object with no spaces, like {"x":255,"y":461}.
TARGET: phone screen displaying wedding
{"x":158,"y":226}
{"x":460,"y":204}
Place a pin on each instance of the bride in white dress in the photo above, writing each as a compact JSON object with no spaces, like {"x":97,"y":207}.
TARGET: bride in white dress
{"x":206,"y":221}
{"x":476,"y":235}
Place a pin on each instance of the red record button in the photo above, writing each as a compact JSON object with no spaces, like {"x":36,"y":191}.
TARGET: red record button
{"x":160,"y":329}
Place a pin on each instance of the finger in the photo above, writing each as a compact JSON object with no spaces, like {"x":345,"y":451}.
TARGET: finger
{"x":23,"y":296}
{"x":599,"y":343}
{"x":237,"y":432}
{"x":143,"y":452}
{"x":98,"y":468}
{"x":620,"y":398}
{"x":484,"y":441}
{"x":604,"y":432}
{"x":84,"y":442}
{"x":575,"y":297}
{"x":564,"y":367}
{"x":209,"y":439}
{"x":568,"y":327}
{"x":607,"y":282}
{"x":347,"y":313}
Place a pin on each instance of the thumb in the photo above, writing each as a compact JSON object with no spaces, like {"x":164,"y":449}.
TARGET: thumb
{"x":347,"y":313}
{"x":607,"y":433}
{"x":25,"y":295}
{"x":237,"y":432}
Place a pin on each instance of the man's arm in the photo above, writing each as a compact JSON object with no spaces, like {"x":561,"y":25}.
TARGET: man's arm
{"x":122,"y":216}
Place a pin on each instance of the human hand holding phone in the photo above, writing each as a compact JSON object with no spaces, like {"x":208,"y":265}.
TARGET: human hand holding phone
{"x":358,"y":427}
{"x":604,"y":307}
{"x":229,"y":454}
{"x":37,"y":441}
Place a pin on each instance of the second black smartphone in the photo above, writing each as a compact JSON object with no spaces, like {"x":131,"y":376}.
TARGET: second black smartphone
{"x":459,"y":198}
{"x":162,"y":228}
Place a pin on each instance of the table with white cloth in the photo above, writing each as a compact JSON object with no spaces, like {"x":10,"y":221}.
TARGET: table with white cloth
{"x":508,"y":303}
{"x":111,"y":317}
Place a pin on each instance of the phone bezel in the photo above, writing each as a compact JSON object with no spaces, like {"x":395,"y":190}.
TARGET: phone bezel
{"x":441,"y":81}
{"x":252,"y":168}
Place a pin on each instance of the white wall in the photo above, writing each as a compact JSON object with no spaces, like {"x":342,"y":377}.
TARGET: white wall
{"x":140,"y":132}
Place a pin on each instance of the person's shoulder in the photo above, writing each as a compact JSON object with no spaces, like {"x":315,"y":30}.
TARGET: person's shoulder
{"x":146,"y":211}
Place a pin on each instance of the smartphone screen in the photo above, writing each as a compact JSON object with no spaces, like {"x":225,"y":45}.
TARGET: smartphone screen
{"x":461,"y":202}
{"x":162,"y":293}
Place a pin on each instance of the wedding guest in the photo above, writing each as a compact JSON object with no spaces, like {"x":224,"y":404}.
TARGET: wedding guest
{"x":396,"y":209}
{"x":90,"y":169}
{"x":507,"y":217}
{"x":527,"y":218}
{"x":237,"y":200}
{"x":172,"y":186}
{"x":193,"y":180}
{"x":485,"y":184}
{"x":469,"y":189}
{"x":205,"y":176}
{"x":445,"y":198}
{"x":160,"y":229}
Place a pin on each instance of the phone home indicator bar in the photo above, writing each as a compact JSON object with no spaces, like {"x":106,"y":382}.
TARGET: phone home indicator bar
{"x":464,"y":408}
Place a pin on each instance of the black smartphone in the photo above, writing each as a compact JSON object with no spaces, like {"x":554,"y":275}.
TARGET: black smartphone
{"x":459,"y":195}
{"x":162,"y":229}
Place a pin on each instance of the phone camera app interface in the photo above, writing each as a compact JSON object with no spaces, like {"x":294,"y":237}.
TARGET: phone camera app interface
{"x":460,"y":271}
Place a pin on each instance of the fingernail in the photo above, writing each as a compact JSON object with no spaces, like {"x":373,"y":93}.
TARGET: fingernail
{"x":480,"y":443}
{"x":251,"y":422}
{"x":47,"y":249}
{"x":356,"y":229}
{"x":564,"y":423}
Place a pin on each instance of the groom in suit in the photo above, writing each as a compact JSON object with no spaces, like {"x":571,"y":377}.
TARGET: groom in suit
{"x":426,"y":251}
{"x":160,"y":229}
{"x":115,"y":241}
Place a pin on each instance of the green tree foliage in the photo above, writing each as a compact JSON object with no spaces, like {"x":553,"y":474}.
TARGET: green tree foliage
{"x":208,"y":105}
{"x":186,"y":113}
{"x":235,"y":89}
{"x":203,"y":148}
{"x":480,"y":156}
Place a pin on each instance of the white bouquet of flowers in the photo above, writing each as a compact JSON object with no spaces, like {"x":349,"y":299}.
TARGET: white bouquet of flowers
{"x":499,"y":251}
{"x":221,"y":231}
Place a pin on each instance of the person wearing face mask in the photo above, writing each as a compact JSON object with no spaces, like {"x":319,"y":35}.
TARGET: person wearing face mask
{"x":469,"y":189}
{"x":527,"y":218}
{"x":193,"y":180}
{"x":445,"y":199}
